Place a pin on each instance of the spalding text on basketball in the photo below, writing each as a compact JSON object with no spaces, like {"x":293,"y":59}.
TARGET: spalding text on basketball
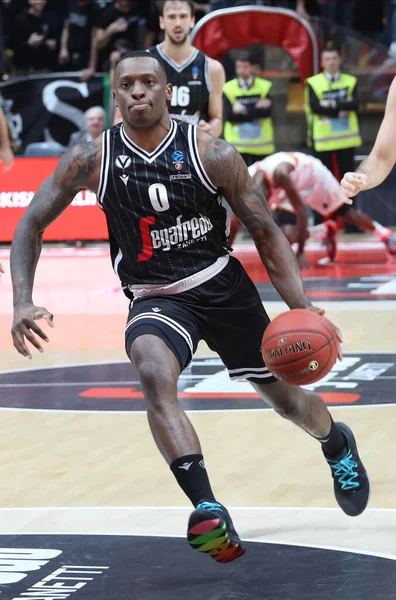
{"x":295,"y":348}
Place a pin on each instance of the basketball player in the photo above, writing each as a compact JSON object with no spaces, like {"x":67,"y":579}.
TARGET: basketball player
{"x":381,"y":160}
{"x":159,"y":182}
{"x":197,"y":80}
{"x":292,"y":181}
{"x":6,"y":153}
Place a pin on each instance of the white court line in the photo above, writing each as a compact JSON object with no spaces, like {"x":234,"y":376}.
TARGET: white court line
{"x":85,"y":383}
{"x":277,"y":306}
{"x":186,"y":410}
{"x":66,"y":366}
{"x":255,"y":541}
{"x":155,"y":508}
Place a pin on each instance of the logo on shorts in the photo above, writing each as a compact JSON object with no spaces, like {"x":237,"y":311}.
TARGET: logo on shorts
{"x":202,"y":464}
{"x":122,"y":161}
{"x":155,"y":309}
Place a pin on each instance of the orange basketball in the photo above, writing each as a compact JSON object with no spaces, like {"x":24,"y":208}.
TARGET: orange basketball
{"x":300,"y":347}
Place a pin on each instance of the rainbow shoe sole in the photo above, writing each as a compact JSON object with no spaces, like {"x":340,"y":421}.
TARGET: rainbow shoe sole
{"x":212,"y":533}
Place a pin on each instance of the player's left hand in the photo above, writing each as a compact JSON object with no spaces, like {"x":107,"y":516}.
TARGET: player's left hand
{"x":302,"y":263}
{"x":321,"y":312}
{"x":7,"y":156}
{"x":205,"y":126}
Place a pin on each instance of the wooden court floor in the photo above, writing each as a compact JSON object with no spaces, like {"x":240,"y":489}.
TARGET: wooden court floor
{"x":91,"y":471}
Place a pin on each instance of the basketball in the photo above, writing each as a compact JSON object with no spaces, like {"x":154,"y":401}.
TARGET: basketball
{"x":300,"y":347}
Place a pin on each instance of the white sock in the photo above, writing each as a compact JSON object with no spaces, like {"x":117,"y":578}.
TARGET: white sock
{"x":318,"y":231}
{"x":381,"y":232}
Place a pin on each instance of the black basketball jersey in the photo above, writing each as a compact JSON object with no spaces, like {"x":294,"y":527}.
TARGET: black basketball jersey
{"x":166,"y":224}
{"x":191,"y":85}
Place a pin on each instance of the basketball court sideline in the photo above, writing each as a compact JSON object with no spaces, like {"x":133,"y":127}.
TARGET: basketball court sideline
{"x":80,"y":473}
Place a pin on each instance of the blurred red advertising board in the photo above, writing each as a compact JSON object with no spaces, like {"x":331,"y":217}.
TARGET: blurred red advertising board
{"x":83,"y":220}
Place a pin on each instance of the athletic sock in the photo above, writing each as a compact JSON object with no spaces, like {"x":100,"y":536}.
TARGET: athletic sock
{"x":317,"y":231}
{"x":191,"y":475}
{"x":383,"y":233}
{"x":334,"y":443}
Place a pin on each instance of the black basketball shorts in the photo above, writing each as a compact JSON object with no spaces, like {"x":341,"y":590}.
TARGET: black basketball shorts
{"x":225,"y":311}
{"x":285,"y":217}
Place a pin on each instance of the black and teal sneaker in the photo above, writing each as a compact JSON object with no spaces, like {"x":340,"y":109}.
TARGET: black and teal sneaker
{"x":210,"y":530}
{"x":351,"y":483}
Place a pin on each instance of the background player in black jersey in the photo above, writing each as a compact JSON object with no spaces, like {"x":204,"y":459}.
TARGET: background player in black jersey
{"x":166,"y":320}
{"x":197,"y":80}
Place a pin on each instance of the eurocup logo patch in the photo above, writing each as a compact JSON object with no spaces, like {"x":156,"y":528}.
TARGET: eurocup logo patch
{"x":195,"y":72}
{"x":122,"y":161}
{"x":178,"y":158}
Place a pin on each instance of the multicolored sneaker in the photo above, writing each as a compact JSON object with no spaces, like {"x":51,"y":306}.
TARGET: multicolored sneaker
{"x":210,"y":530}
{"x":330,"y":242}
{"x":351,"y":483}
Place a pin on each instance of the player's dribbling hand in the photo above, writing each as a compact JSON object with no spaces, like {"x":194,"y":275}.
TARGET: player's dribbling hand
{"x":24,"y":324}
{"x":321,"y":312}
{"x":352,"y":184}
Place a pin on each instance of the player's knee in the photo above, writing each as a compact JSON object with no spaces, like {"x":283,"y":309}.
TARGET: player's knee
{"x":157,"y":379}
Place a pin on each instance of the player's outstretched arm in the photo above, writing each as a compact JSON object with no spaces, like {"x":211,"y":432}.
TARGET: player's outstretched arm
{"x":215,"y":108}
{"x":230,"y":175}
{"x":382,"y":158}
{"x":77,"y":169}
{"x":283,"y":180}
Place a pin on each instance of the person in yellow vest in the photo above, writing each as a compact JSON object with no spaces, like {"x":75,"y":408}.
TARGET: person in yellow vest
{"x":247,"y":112}
{"x":331,"y":105}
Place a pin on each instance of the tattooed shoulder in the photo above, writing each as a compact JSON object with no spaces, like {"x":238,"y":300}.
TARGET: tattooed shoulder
{"x":219,"y":159}
{"x":77,"y":167}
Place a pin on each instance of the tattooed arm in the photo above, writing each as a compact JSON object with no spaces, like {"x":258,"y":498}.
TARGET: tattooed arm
{"x":229,"y":174}
{"x":77,"y":169}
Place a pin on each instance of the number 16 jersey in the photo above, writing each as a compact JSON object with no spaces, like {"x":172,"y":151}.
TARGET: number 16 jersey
{"x":167,"y":227}
{"x":191,"y":85}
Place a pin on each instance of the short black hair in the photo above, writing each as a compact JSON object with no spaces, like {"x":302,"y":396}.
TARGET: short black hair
{"x":245,"y":57}
{"x":331,"y":47}
{"x":161,"y":5}
{"x":143,"y":54}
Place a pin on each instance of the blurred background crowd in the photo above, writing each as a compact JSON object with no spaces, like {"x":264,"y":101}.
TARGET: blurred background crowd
{"x":81,"y":35}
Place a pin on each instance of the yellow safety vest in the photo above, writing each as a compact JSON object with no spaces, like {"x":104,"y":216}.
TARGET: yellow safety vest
{"x":332,"y":133}
{"x":255,"y":137}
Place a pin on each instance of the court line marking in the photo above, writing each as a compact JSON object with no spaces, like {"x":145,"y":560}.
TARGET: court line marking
{"x":143,"y":412}
{"x":129,"y":508}
{"x":186,"y":410}
{"x":255,"y":541}
{"x":127,"y":362}
{"x":66,"y":366}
